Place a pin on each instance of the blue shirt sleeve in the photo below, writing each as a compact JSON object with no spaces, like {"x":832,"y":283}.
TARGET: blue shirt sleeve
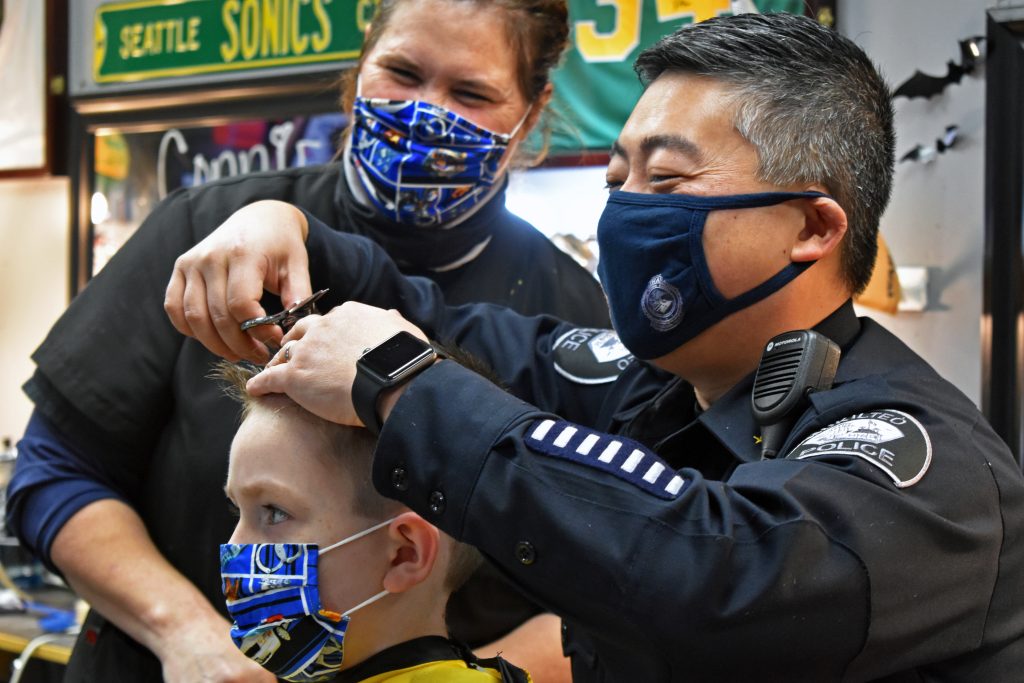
{"x":52,"y":480}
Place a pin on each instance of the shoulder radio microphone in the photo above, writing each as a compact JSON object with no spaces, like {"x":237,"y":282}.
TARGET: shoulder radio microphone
{"x":794,"y":364}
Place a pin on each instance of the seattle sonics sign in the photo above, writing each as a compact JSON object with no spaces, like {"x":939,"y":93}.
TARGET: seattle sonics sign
{"x":148,"y":39}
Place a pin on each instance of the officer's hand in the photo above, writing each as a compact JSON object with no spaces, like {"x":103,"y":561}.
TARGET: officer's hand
{"x":199,"y":655}
{"x":316,"y":365}
{"x":217,"y":284}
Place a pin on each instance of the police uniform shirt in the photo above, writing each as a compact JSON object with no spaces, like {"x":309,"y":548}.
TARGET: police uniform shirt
{"x":115,"y":378}
{"x":886,"y":544}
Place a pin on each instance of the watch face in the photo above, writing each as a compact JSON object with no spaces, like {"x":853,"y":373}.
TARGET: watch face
{"x":397,"y":356}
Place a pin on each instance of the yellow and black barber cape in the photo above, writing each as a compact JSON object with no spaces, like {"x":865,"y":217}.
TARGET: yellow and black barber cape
{"x":431,"y":659}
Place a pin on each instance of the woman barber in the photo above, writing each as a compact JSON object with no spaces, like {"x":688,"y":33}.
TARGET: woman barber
{"x":118,"y":484}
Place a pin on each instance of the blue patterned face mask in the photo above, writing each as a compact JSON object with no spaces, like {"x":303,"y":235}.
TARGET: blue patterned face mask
{"x":655,"y":273}
{"x":421,"y":164}
{"x":273,"y":596}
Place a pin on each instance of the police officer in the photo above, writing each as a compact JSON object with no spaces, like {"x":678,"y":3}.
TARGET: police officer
{"x":886,"y":542}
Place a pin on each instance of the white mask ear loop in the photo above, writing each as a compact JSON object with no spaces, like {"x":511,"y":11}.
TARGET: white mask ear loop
{"x":506,"y":157}
{"x":364,"y":603}
{"x":521,"y":122}
{"x":356,"y":537}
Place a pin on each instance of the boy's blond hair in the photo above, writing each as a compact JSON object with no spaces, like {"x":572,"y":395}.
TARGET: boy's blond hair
{"x":356,"y":445}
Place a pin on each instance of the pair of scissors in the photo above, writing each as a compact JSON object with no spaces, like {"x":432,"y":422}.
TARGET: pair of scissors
{"x":288,"y":316}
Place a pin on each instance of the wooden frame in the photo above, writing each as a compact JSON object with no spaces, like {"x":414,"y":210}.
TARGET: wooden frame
{"x":159,"y":110}
{"x":1002,"y":323}
{"x":50,"y":89}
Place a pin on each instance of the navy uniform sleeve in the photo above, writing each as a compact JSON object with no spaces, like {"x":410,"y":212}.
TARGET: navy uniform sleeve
{"x":601,"y":531}
{"x":821,"y":568}
{"x":565,"y":368}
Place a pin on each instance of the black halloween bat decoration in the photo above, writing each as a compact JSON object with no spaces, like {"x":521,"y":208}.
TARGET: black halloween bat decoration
{"x":923,"y":85}
{"x":928,"y":153}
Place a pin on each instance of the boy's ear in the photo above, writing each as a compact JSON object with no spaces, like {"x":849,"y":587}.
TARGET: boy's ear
{"x":414,"y":548}
{"x":824,"y":228}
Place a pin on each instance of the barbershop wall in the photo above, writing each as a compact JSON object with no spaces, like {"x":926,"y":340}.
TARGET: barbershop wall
{"x":33,"y":283}
{"x":935,"y":219}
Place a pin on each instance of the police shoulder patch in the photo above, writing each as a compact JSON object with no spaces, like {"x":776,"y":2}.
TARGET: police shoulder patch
{"x":891,"y":440}
{"x":620,"y":457}
{"x":590,"y":356}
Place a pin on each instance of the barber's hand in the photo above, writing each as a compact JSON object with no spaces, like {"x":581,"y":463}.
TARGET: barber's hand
{"x":217,"y":284}
{"x":207,"y":655}
{"x":316,"y":365}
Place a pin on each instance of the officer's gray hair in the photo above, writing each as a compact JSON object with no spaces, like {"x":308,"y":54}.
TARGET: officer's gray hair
{"x":810,"y":102}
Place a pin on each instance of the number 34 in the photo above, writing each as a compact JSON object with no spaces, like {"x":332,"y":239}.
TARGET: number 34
{"x":617,"y":44}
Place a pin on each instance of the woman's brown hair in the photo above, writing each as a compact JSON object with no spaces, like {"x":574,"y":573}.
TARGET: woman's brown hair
{"x":538,"y":31}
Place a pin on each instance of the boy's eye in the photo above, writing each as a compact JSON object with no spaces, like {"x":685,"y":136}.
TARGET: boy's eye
{"x":274,"y":515}
{"x":233,"y":509}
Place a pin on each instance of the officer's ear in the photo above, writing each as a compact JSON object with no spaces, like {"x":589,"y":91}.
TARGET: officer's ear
{"x":413,"y":547}
{"x":823,"y":230}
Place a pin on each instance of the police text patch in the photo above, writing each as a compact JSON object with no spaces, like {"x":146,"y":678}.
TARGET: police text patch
{"x":590,"y":356}
{"x":620,"y":457}
{"x":891,"y":440}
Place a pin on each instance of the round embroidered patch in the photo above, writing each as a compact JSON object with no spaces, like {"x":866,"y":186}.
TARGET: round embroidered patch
{"x":590,"y":356}
{"x":891,"y":440}
{"x":662,"y":304}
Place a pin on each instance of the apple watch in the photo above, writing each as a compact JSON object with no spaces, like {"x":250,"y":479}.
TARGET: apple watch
{"x":390,"y":364}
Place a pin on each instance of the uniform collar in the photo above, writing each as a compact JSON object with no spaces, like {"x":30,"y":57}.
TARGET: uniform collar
{"x":731,"y":418}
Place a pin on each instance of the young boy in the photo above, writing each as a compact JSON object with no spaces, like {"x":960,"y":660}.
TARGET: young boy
{"x":316,"y":543}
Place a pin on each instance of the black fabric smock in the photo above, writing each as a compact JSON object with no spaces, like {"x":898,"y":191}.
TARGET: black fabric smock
{"x":113,"y":371}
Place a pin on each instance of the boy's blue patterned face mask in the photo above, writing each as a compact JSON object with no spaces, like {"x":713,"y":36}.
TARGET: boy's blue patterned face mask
{"x":656,"y":275}
{"x":421,"y":164}
{"x":273,"y":596}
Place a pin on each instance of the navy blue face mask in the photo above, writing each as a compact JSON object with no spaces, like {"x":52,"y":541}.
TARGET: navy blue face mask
{"x":655,"y":273}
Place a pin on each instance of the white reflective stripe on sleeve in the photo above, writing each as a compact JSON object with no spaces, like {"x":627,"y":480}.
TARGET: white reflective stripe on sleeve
{"x":564,"y":437}
{"x":542,"y":430}
{"x":633,"y":460}
{"x":653,"y":473}
{"x":587,"y":444}
{"x":610,"y":451}
{"x":675,"y":486}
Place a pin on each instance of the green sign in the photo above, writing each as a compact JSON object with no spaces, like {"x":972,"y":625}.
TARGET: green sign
{"x":149,"y":39}
{"x":596,"y":88}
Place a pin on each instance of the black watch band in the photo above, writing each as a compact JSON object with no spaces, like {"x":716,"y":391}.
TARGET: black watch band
{"x":387,"y":365}
{"x":365,"y":394}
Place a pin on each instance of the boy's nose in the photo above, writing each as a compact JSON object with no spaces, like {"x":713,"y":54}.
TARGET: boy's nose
{"x":239,"y":535}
